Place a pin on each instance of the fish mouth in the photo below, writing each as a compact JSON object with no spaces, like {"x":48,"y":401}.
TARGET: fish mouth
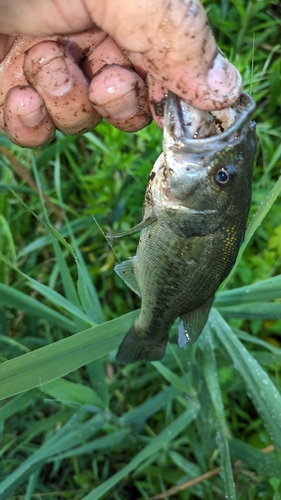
{"x":189,"y":128}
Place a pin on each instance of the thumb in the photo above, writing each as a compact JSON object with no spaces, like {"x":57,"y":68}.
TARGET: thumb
{"x":176,"y":44}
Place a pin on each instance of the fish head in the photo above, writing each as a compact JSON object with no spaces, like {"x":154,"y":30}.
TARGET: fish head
{"x":204,"y":176}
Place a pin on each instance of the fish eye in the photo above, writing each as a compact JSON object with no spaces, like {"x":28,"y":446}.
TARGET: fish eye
{"x":225,"y":176}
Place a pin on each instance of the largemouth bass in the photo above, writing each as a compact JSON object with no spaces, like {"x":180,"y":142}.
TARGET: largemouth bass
{"x":194,"y":218}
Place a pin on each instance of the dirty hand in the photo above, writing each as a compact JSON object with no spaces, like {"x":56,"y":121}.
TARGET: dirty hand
{"x":113,"y":59}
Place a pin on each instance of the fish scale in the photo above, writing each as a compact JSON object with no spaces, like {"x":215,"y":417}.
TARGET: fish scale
{"x":194,"y":219}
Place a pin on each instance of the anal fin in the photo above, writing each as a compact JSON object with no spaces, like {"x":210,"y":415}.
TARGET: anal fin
{"x":126,"y":271}
{"x":192,"y":323}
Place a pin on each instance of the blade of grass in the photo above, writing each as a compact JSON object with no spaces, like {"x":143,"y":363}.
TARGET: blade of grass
{"x":265,"y":290}
{"x":53,"y":296}
{"x":14,"y":298}
{"x":52,"y":230}
{"x":106,"y":442}
{"x":32,"y":483}
{"x":188,"y":467}
{"x":210,"y":371}
{"x":256,"y":310}
{"x":65,"y":438}
{"x":62,"y":143}
{"x":255,"y":340}
{"x":188,"y":484}
{"x":16,"y":404}
{"x":172,"y":378}
{"x":72,"y":393}
{"x":14,"y":343}
{"x":7,"y":245}
{"x":162,"y":440}
{"x":275,"y":158}
{"x":92,"y":138}
{"x":86,"y":292}
{"x":56,"y":360}
{"x":68,"y":283}
{"x":38,"y":243}
{"x":263,"y":392}
{"x":138,"y":415}
{"x":96,"y":372}
{"x":86,"y":289}
{"x":25,"y":175}
{"x":257,"y":460}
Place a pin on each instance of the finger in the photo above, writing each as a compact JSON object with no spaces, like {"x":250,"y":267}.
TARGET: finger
{"x":120,"y":96}
{"x":138,"y":63}
{"x":53,"y":73}
{"x":26,"y":121}
{"x":115,"y":96}
{"x":177,"y":46}
{"x":80,"y":45}
{"x":26,"y":105}
{"x":20,"y":107}
{"x":104,"y":54}
{"x":157,"y":96}
{"x":218,"y":88}
{"x":30,"y":17}
{"x":6,"y":43}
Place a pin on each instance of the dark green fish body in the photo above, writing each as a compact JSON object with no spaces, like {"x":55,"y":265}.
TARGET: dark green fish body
{"x":195,"y":213}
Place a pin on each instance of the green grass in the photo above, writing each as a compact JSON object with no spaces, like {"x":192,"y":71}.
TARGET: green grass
{"x":75,"y":425}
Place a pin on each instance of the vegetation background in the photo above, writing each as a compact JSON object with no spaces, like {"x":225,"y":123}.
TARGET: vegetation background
{"x":203,"y":423}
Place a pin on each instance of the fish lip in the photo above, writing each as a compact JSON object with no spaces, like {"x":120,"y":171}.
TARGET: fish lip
{"x":174,"y":126}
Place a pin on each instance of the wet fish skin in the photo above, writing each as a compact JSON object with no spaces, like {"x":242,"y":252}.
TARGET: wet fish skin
{"x":195,"y":211}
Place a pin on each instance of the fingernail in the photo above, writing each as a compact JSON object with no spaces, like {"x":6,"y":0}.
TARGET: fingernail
{"x":223,"y":79}
{"x":54,"y":77}
{"x":32,"y":119}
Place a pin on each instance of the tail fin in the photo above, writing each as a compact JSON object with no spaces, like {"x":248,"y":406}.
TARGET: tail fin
{"x":139,"y":348}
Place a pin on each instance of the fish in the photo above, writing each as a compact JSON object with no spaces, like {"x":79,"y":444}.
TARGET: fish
{"x":194,"y":218}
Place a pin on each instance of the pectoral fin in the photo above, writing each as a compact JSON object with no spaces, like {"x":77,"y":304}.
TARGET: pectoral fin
{"x":126,"y":271}
{"x":192,"y":323}
{"x":134,"y":229}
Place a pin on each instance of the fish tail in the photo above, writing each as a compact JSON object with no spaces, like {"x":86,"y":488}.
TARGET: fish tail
{"x":136,"y":347}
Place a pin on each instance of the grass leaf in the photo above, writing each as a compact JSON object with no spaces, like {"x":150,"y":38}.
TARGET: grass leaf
{"x":60,"y":358}
{"x":210,"y":371}
{"x":263,"y":463}
{"x":14,"y":298}
{"x":53,"y":296}
{"x":162,"y":440}
{"x":263,"y":393}
{"x":72,"y":393}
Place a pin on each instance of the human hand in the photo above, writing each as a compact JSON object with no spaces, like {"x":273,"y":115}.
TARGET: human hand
{"x":165,"y":46}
